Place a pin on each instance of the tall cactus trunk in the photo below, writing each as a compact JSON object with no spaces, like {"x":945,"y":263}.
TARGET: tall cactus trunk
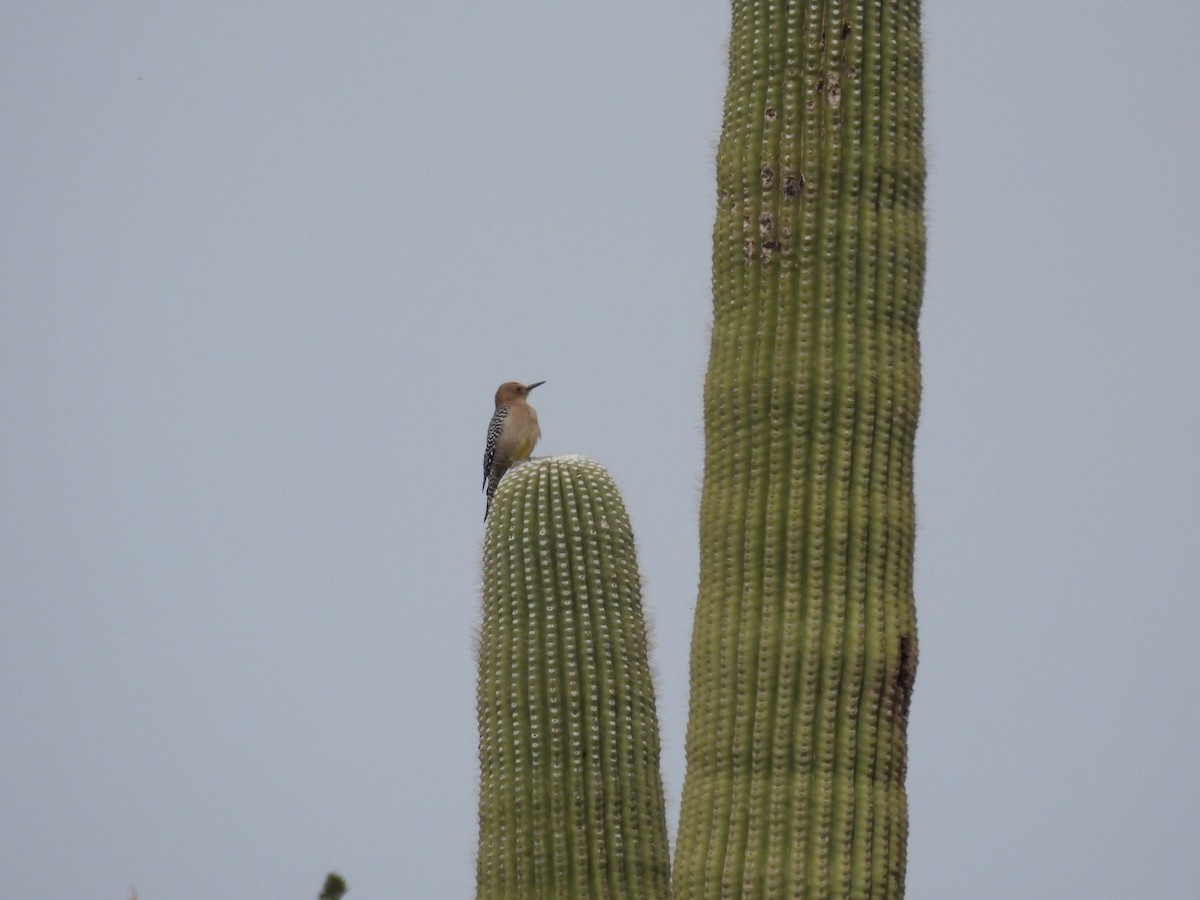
{"x":570,"y":800}
{"x":804,"y":648}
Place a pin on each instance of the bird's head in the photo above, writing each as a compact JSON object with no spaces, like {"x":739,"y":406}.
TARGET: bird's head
{"x":513,"y":390}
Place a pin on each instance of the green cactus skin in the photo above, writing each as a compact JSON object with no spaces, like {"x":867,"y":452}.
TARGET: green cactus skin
{"x":570,"y":799}
{"x":804,"y":648}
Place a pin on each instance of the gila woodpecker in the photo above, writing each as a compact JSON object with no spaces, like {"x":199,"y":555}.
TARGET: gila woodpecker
{"x":511,"y":434}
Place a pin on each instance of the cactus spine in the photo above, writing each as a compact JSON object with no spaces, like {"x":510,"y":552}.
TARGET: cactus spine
{"x":570,"y":801}
{"x":804,"y":648}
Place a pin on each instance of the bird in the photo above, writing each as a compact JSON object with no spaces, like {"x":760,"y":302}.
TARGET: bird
{"x":511,"y":435}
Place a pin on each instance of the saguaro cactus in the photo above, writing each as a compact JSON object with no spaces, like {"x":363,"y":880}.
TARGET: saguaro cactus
{"x":570,"y":801}
{"x":804,"y":648}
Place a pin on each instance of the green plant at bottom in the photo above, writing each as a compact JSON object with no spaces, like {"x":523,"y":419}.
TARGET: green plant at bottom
{"x":570,"y":800}
{"x":335,"y":887}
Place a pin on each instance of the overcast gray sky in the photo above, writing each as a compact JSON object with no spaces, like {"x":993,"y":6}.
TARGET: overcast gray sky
{"x":262,"y":268}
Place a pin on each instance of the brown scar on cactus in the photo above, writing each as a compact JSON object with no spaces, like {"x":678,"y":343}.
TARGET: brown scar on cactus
{"x":900,"y":697}
{"x":834,"y":93}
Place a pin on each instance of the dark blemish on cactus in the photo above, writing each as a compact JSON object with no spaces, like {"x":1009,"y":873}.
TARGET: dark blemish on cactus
{"x":902,"y":685}
{"x":767,"y":174}
{"x":770,"y":245}
{"x":846,"y":29}
{"x":792,"y":186}
{"x":835,"y":90}
{"x":820,"y":85}
{"x":770,"y":113}
{"x":746,"y":222}
{"x":766,"y":222}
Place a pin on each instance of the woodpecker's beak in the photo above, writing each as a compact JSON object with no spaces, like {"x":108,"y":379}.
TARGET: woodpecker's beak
{"x":530,"y":387}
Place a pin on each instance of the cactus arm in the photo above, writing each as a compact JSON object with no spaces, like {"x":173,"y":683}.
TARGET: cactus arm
{"x":804,"y":646}
{"x":571,"y":801}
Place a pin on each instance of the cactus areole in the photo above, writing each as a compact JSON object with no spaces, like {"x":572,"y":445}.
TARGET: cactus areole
{"x":804,"y":646}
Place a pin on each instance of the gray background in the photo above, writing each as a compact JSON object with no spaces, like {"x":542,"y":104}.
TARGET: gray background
{"x":263,"y":266}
